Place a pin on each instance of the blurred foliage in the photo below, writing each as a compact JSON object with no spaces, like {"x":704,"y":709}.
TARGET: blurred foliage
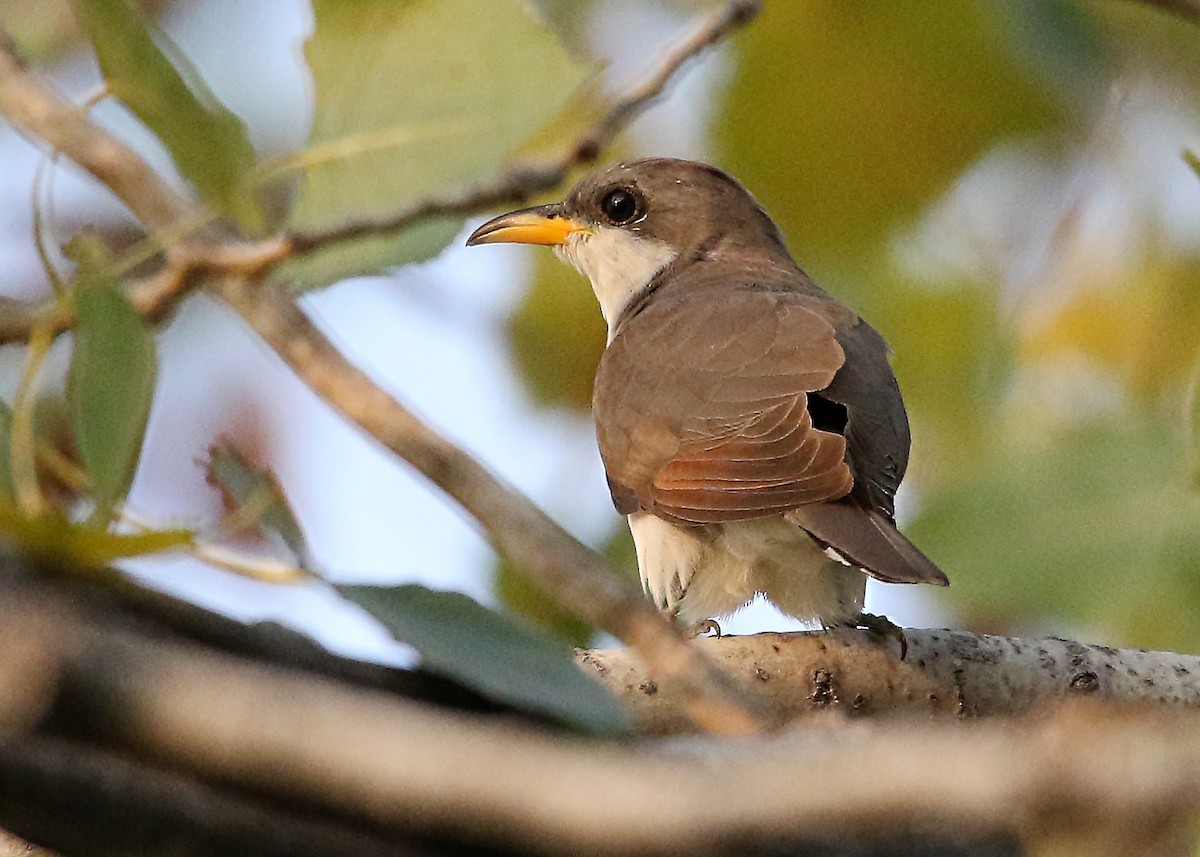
{"x":503,"y":658}
{"x":409,"y":118}
{"x":1048,"y":393}
{"x":150,"y":76}
{"x":1092,"y":522}
{"x":45,"y":30}
{"x":847,"y":118}
{"x":110,"y":383}
{"x":556,"y":335}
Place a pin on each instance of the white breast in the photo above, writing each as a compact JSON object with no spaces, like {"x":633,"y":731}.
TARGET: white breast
{"x":619,"y":264}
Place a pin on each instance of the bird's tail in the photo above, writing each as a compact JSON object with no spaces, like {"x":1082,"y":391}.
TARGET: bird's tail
{"x":869,"y":540}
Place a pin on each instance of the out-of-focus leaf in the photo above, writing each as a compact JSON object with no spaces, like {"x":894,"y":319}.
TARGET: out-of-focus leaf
{"x":557,"y":335}
{"x":953,"y":358}
{"x":206,"y":140}
{"x":524,"y":599}
{"x":110,"y":386}
{"x":1095,"y":524}
{"x":1193,"y":422}
{"x":45,"y":30}
{"x":7,"y":494}
{"x":1144,"y":337}
{"x":414,"y":98}
{"x":503,"y":659}
{"x":52,"y":539}
{"x":1192,"y":160}
{"x":846,"y":122}
{"x":255,"y":493}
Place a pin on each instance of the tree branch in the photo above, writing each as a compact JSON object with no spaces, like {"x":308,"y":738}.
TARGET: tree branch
{"x":1121,"y":781}
{"x":951,"y":673}
{"x":576,"y":577}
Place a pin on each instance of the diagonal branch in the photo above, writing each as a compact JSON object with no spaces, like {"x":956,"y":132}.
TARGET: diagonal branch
{"x":566,"y":570}
{"x":569,"y":572}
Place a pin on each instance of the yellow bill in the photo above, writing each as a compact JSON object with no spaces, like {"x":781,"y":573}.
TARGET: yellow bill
{"x":545,"y":224}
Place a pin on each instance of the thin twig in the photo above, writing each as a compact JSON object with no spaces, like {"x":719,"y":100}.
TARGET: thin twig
{"x":46,"y":118}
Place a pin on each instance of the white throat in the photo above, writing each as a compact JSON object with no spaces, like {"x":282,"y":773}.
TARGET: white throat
{"x":618,"y":263}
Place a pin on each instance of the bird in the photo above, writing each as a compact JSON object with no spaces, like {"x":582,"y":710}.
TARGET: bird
{"x":751,"y":427}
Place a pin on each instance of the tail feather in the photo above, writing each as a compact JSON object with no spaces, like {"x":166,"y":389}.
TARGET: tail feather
{"x":869,"y":540}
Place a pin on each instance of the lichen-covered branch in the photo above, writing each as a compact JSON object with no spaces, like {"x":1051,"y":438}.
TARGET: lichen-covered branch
{"x":945,"y":673}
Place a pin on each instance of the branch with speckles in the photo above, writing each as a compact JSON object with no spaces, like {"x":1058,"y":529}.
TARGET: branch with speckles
{"x":952,"y":673}
{"x":93,"y":721}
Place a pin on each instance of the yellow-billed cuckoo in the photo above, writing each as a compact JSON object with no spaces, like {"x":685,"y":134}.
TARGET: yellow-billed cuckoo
{"x":750,"y":424}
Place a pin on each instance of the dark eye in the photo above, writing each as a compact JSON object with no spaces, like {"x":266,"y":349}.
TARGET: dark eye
{"x":620,"y":206}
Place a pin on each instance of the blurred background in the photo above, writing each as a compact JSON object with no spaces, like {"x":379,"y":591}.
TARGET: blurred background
{"x":1000,"y":186}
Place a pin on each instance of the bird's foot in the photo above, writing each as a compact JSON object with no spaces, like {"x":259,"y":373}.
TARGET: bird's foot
{"x":705,"y":626}
{"x":884,"y":628}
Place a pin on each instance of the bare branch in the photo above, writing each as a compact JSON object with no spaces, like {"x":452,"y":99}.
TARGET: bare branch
{"x":951,"y":673}
{"x":46,"y":118}
{"x":1122,"y":780}
{"x":558,"y":564}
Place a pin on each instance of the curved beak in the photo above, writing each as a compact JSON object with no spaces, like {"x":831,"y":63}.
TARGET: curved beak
{"x":544,"y":224}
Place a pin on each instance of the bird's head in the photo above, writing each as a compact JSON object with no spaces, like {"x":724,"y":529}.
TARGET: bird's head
{"x":622,"y":225}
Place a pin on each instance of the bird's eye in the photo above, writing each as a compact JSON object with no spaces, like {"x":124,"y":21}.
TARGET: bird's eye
{"x":620,"y":206}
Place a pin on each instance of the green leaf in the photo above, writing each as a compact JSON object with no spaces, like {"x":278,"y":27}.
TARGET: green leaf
{"x":54,"y":540}
{"x":255,"y":492}
{"x":416,"y":98}
{"x":521,"y":597}
{"x":7,"y":493}
{"x":110,"y":386}
{"x":505,"y":660}
{"x":206,"y":140}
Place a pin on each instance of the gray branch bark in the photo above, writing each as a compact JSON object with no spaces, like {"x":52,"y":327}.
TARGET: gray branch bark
{"x":946,"y":674}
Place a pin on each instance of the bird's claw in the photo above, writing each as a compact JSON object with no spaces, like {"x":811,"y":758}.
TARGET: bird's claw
{"x":705,"y":626}
{"x":883,"y":627}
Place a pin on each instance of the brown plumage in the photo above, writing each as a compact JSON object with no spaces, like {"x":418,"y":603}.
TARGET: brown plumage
{"x":741,"y":411}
